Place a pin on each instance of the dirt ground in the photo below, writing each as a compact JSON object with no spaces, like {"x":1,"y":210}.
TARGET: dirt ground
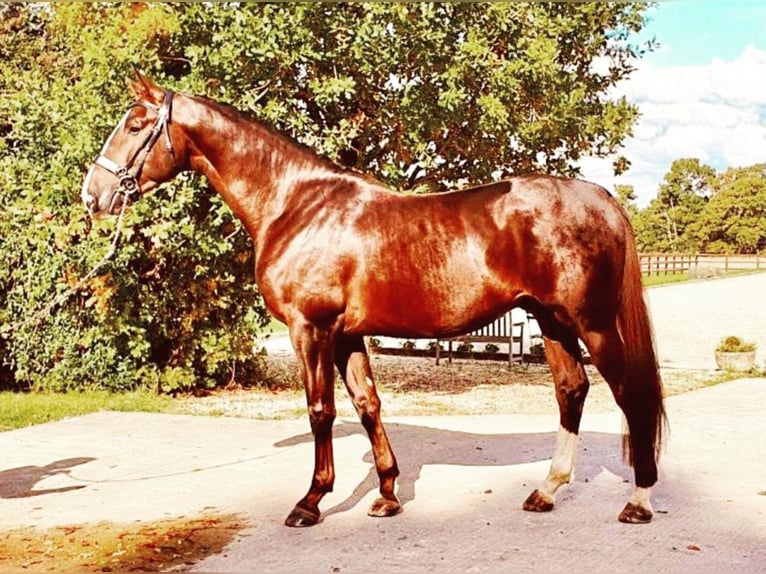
{"x":416,"y":386}
{"x":109,"y":547}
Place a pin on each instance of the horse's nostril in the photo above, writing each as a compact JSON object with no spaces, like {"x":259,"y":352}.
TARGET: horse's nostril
{"x":90,"y":202}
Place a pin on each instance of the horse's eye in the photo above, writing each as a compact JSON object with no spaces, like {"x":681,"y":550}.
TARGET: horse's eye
{"x":134,"y":129}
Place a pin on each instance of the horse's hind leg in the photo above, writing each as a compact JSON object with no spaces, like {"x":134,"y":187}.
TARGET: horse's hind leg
{"x":565,"y":361}
{"x":354,"y":365}
{"x":607,"y":353}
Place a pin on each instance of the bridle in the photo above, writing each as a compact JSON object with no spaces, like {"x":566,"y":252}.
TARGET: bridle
{"x":129,"y":173}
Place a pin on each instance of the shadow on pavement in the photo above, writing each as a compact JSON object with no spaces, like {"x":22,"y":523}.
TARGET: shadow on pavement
{"x":20,"y":482}
{"x":416,"y":446}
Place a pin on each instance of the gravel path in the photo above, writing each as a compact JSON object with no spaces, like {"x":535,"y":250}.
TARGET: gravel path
{"x":691,"y":318}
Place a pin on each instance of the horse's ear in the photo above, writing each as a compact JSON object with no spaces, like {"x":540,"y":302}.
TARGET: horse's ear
{"x":145,"y":90}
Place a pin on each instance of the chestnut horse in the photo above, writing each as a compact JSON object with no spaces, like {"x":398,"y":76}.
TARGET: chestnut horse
{"x":339,"y":256}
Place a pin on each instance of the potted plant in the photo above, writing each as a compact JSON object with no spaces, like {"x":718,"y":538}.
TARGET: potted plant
{"x":735,"y":354}
{"x":409,"y":347}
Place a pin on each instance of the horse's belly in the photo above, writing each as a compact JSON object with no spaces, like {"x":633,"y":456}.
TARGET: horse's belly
{"x":403,"y":312}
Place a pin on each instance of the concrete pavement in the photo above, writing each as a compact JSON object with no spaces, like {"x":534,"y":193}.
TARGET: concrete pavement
{"x":463,"y":481}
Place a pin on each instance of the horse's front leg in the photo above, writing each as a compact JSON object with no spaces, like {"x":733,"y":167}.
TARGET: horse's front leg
{"x":354,"y":366}
{"x":314,"y":349}
{"x":572,"y":385}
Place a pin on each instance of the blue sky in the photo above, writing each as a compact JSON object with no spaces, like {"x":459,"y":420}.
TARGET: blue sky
{"x":694,"y":32}
{"x":701,"y":94}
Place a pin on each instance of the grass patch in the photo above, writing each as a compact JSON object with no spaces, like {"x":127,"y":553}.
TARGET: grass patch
{"x":275,"y":326}
{"x":23,"y":409}
{"x":680,"y":381}
{"x":654,"y":280}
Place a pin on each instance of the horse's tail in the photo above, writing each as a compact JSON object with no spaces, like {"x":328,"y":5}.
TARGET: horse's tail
{"x":642,"y":384}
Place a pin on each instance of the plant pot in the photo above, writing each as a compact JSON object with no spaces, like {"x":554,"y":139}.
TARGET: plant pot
{"x":742,"y":361}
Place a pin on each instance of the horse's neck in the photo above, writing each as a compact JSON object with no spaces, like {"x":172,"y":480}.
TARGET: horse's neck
{"x":254,"y":170}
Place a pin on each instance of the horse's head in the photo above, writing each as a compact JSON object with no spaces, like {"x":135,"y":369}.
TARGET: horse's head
{"x":143,"y":151}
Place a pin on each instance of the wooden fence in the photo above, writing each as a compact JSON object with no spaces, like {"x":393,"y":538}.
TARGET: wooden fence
{"x":672,"y":263}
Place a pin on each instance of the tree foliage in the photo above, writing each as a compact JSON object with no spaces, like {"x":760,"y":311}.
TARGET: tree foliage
{"x":626,"y":196}
{"x":700,"y":210}
{"x":176,"y":307}
{"x":420,"y":95}
{"x":734,"y":220}
{"x":680,"y":200}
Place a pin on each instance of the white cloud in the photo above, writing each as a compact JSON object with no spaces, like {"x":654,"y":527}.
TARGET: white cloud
{"x":716,"y":113}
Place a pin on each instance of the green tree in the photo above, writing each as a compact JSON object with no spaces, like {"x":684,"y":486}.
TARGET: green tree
{"x":680,"y":200}
{"x":421,"y":95}
{"x":176,"y":307}
{"x":425,"y":94}
{"x":626,"y":195}
{"x":734,"y":220}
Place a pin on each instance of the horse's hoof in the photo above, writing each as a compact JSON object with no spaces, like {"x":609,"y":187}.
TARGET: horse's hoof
{"x":635,"y":514}
{"x":539,"y":501}
{"x":301,"y":517}
{"x":383,"y":507}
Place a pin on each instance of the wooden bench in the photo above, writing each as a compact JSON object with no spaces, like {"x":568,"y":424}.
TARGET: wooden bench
{"x":504,"y":330}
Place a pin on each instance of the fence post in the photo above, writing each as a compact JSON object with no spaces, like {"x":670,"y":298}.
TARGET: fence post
{"x":673,"y":263}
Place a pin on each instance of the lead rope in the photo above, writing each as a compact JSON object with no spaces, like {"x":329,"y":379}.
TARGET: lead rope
{"x":46,"y":311}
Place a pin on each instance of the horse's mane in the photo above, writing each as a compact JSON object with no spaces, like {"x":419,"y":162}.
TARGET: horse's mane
{"x":236,"y":115}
